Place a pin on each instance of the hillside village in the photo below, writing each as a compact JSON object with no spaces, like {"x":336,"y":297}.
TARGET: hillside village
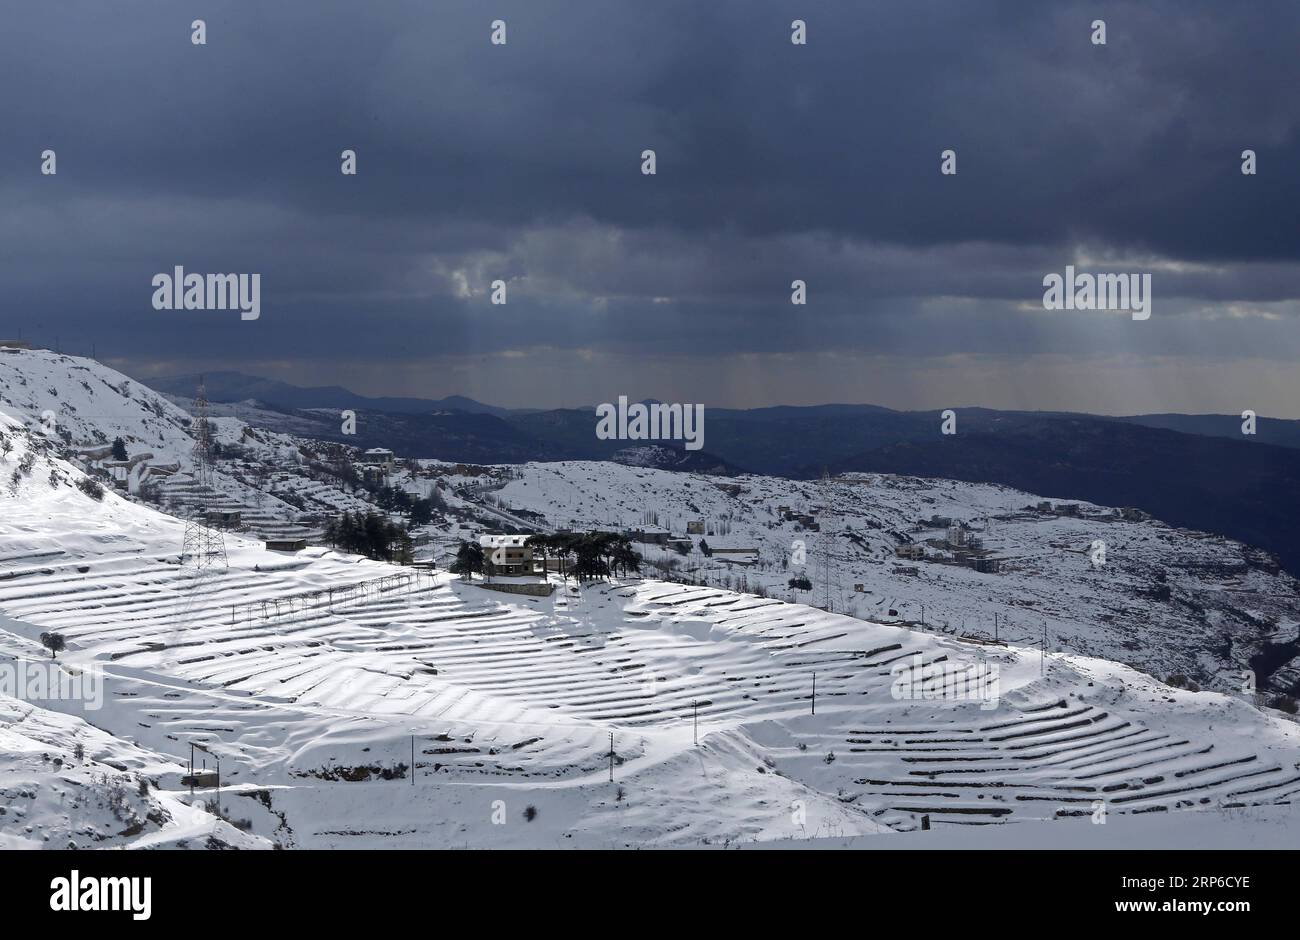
{"x":945,"y":556}
{"x":343,"y":641}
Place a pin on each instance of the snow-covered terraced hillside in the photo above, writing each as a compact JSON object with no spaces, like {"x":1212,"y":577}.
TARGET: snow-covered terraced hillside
{"x":315,"y":701}
{"x":65,"y":784}
{"x":1165,"y":600}
{"x":1066,"y":732}
{"x":84,"y":405}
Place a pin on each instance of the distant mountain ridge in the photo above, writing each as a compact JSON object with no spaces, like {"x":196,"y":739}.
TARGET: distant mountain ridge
{"x":1277,"y":431}
{"x":876,"y":424}
{"x":236,"y":386}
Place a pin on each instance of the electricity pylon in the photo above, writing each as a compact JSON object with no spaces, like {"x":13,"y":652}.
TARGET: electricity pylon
{"x":206,"y":546}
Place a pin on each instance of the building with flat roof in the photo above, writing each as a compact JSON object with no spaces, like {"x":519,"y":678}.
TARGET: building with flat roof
{"x":649,"y":535}
{"x":378,"y":457}
{"x":286,"y":545}
{"x":507,"y":554}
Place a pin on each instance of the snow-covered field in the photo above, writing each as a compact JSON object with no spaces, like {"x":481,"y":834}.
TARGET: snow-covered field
{"x":1164,"y":600}
{"x":1167,"y":601}
{"x":66,"y":784}
{"x":314,"y":677}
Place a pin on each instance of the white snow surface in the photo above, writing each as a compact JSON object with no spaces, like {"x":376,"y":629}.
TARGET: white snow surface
{"x":313,"y":703}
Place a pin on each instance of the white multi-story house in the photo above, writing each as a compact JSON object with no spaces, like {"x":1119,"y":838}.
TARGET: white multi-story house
{"x":507,"y":554}
{"x":379,"y":457}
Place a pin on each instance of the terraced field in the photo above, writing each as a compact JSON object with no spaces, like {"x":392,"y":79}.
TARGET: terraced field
{"x":1058,"y":759}
{"x":635,"y":713}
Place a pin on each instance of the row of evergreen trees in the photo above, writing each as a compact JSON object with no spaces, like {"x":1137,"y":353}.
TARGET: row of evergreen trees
{"x":417,"y":509}
{"x":372,"y":535}
{"x":586,"y":555}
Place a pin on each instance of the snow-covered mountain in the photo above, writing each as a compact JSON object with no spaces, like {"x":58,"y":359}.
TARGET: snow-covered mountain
{"x":81,"y":406}
{"x":319,"y":678}
{"x":1118,"y":585}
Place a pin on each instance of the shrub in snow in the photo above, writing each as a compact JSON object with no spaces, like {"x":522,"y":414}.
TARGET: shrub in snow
{"x":91,"y":488}
{"x":53,"y":642}
{"x":1180,"y":681}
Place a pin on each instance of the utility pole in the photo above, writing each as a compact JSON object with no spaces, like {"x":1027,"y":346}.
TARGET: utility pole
{"x":611,"y":757}
{"x":826,"y":534}
{"x":412,"y":760}
{"x":695,"y":705}
{"x":995,"y":626}
{"x":814,"y":695}
{"x":1042,"y":656}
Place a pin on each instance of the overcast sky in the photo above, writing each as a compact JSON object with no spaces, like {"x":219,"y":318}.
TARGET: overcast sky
{"x":775,"y":162}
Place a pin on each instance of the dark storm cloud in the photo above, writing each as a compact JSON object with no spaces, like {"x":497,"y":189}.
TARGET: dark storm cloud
{"x":775,"y":162}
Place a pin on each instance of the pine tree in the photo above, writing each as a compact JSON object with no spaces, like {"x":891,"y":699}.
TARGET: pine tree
{"x":469,"y":559}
